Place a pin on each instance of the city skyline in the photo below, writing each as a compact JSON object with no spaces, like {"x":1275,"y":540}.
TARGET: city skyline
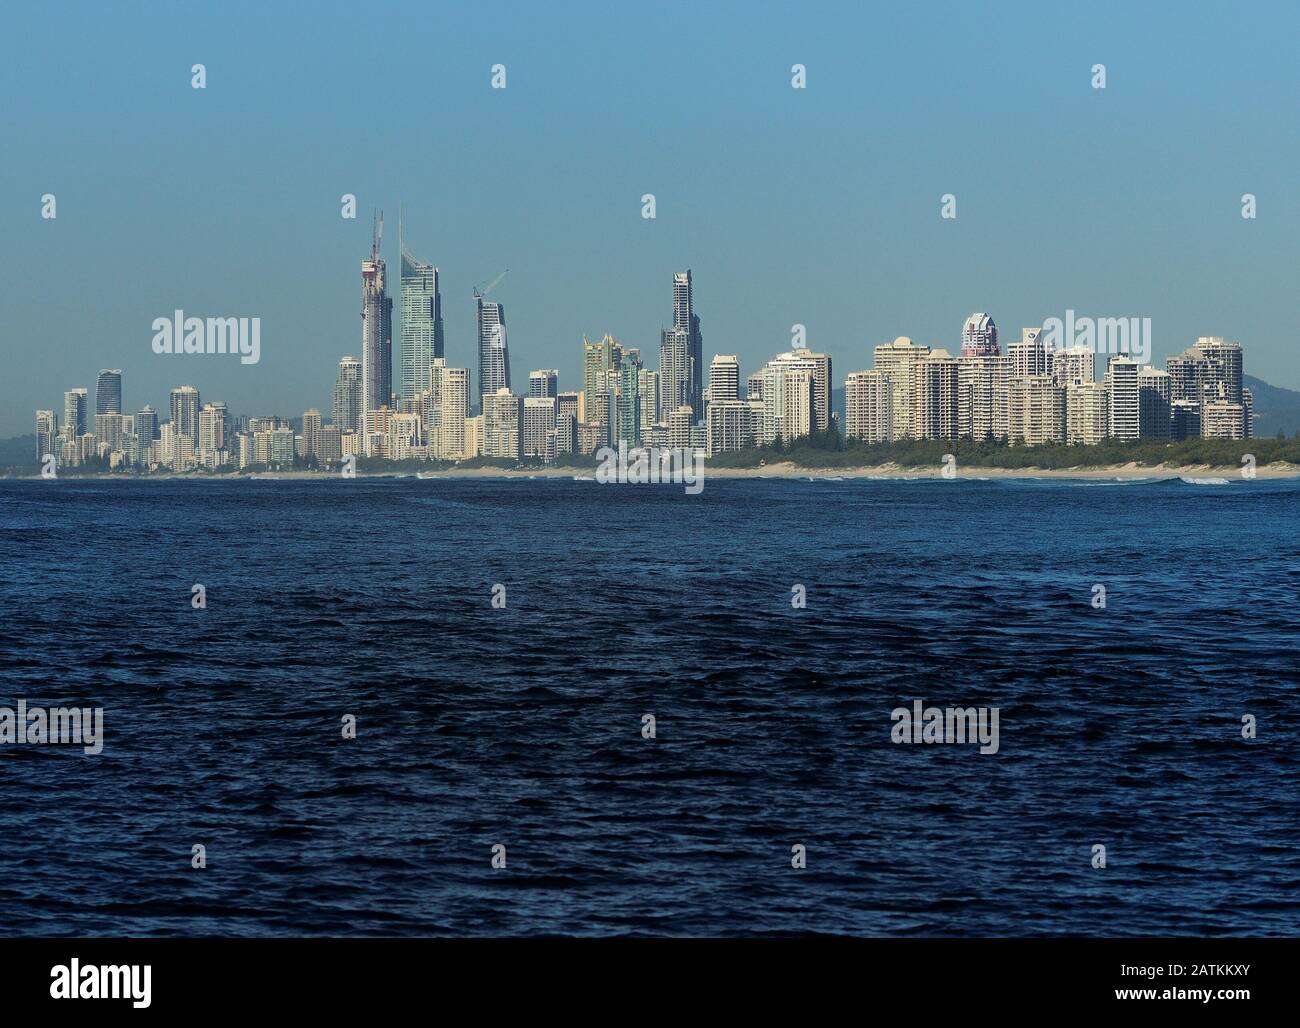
{"x":818,"y":206}
{"x":1044,"y":389}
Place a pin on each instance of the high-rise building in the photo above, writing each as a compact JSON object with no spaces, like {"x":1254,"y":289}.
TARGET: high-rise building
{"x":569,"y":403}
{"x":724,"y":378}
{"x":732,"y":425}
{"x":1123,"y":403}
{"x":502,"y":423}
{"x":146,"y":425}
{"x":979,"y":337}
{"x":212,"y":426}
{"x":446,"y":411}
{"x":347,"y":396}
{"x":74,"y":413}
{"x":868,"y":407}
{"x":1185,"y":376}
{"x":1086,"y":409}
{"x":185,"y":413}
{"x":1154,"y":392}
{"x":1035,"y":410}
{"x":674,"y":369}
{"x":1223,"y":364}
{"x":474,"y":436}
{"x":600,"y":361}
{"x":539,"y":425}
{"x":311,"y":428}
{"x":493,"y":349}
{"x":1222,"y":419}
{"x":936,"y":397}
{"x":281,"y":447}
{"x":108,"y":392}
{"x":47,"y":431}
{"x":329,"y":445}
{"x":421,"y":328}
{"x":1031,"y":355}
{"x":627,"y":419}
{"x":788,"y":402}
{"x":404,"y":436}
{"x":647,"y":388}
{"x":376,"y":334}
{"x":679,"y":427}
{"x":108,"y":432}
{"x":1184,"y":419}
{"x":378,"y":432}
{"x":1073,"y":365}
{"x":1209,"y":371}
{"x":544,"y":383}
{"x":821,"y":364}
{"x":982,"y":386}
{"x":566,"y":432}
{"x":686,"y":321}
{"x":818,"y":365}
{"x":896,"y":360}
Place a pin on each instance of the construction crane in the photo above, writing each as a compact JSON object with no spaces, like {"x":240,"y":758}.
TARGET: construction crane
{"x":480,"y":292}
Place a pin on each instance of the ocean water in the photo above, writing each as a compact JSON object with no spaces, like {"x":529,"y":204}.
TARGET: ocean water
{"x":521,"y":726}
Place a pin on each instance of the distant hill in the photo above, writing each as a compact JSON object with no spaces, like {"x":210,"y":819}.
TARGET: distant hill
{"x":19,"y":450}
{"x":1276,"y":409}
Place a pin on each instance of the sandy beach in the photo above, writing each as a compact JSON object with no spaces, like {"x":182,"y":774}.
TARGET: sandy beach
{"x":781,"y":470}
{"x":1130,"y":470}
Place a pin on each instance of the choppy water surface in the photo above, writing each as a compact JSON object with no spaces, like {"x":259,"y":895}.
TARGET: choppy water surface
{"x":522,"y":726}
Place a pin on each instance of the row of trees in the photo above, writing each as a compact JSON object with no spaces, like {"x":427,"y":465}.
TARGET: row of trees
{"x":829,"y":450}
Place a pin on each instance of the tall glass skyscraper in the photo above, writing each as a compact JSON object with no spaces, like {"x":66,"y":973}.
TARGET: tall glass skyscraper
{"x":376,"y":334}
{"x":627,"y":404}
{"x":687,"y":322}
{"x":421,"y":328}
{"x":74,"y":413}
{"x":108,"y":392}
{"x":493,"y":351}
{"x":347,"y":396}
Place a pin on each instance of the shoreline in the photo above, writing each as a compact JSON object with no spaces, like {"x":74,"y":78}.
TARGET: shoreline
{"x":780,"y":470}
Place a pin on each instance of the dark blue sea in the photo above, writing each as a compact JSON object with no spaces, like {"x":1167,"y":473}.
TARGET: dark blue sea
{"x":522,"y":727}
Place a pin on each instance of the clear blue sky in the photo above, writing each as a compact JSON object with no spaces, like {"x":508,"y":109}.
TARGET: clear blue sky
{"x":818,"y":206}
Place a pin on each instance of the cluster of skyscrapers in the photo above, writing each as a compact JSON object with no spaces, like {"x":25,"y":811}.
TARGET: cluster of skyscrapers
{"x":198,"y":435}
{"x":1036,"y":393}
{"x":442,"y":413}
{"x":1033,"y":394}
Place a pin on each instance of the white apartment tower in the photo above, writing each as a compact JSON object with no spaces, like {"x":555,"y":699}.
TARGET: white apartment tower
{"x":1122,"y":398}
{"x":896,"y":360}
{"x":869,"y":407}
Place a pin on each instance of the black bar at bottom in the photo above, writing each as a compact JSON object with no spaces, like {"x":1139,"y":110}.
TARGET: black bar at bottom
{"x":375,"y":976}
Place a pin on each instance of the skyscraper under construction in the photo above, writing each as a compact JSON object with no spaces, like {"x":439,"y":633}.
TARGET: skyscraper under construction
{"x":376,"y":333}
